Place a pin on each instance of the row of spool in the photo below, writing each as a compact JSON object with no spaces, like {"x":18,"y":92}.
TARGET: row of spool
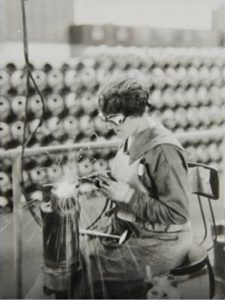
{"x":72,"y":128}
{"x":59,"y":104}
{"x":89,"y":79}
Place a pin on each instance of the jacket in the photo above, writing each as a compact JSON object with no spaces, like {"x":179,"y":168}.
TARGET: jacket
{"x":158,"y":176}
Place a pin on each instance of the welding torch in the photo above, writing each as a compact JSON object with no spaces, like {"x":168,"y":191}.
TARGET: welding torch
{"x":121,"y":237}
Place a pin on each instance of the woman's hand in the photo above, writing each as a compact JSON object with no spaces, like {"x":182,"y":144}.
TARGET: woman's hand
{"x":115,"y":190}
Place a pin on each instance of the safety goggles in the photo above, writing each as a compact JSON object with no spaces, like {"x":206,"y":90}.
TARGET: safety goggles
{"x":113,"y":119}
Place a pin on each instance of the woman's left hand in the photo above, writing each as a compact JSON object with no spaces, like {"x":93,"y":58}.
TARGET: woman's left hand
{"x":115,"y":190}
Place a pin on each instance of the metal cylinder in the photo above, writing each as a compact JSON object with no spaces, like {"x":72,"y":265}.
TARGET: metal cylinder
{"x":61,"y":249}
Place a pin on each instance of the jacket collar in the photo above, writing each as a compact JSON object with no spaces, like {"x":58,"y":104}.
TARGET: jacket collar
{"x":148,"y":139}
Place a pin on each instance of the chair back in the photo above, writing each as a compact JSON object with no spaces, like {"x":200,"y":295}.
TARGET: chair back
{"x":204,"y":182}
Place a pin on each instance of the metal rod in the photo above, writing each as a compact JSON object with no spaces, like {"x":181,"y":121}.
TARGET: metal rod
{"x":97,"y":233}
{"x":121,"y":237}
{"x":17,"y":227}
{"x":183,"y":137}
{"x":39,"y":150}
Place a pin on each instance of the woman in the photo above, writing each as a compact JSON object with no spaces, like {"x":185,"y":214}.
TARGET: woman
{"x":150,"y":192}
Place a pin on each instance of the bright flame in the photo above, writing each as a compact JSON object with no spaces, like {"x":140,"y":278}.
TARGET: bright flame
{"x":65,"y":189}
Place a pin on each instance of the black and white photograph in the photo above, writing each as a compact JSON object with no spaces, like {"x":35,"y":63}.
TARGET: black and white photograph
{"x":112,"y":149}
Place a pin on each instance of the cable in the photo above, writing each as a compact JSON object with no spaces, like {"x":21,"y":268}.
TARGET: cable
{"x":28,"y":77}
{"x":203,"y":219}
{"x":99,"y":216}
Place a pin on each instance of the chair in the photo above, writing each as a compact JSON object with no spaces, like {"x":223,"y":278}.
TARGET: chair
{"x":197,"y":268}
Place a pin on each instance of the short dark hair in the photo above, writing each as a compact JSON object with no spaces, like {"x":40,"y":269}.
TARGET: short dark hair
{"x":126,"y":95}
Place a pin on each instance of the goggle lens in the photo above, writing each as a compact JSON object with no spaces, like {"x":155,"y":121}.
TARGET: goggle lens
{"x":115,"y":119}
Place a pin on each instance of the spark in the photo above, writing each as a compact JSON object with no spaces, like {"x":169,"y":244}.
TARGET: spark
{"x":64,"y":189}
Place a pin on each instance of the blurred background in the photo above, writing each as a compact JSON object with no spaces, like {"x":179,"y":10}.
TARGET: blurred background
{"x":74,"y":46}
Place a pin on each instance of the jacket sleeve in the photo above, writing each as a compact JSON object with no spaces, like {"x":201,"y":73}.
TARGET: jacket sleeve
{"x":165,"y":177}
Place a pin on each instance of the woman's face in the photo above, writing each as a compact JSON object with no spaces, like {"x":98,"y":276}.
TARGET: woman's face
{"x":123,"y":126}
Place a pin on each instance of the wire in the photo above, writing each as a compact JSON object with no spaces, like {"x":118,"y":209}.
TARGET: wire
{"x":203,"y":219}
{"x":28,"y":78}
{"x":99,"y":216}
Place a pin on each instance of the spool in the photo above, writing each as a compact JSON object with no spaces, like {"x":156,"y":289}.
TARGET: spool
{"x":70,"y":79}
{"x":70,"y":170}
{"x":215,"y":76}
{"x":54,"y":172}
{"x":100,"y":165}
{"x":191,"y":153}
{"x":5,"y":183}
{"x":202,"y":95}
{"x":61,"y":247}
{"x":100,"y":126}
{"x":55,"y":104}
{"x":55,"y":79}
{"x":3,"y":202}
{"x":168,"y":98}
{"x":181,"y":77}
{"x":101,"y":76}
{"x":4,"y":82}
{"x":18,"y":80}
{"x":88,"y":103}
{"x":38,"y":176}
{"x":18,"y":106}
{"x":204,"y":76}
{"x":215,"y":115}
{"x":180,"y":116}
{"x":193,"y":117}
{"x":171,"y":77}
{"x":168,"y":119}
{"x":204,"y":115}
{"x":41,"y":132}
{"x":179,"y":97}
{"x":73,"y":103}
{"x":156,"y":98}
{"x":5,"y":135}
{"x":55,"y":127}
{"x":17,"y":131}
{"x":193,"y":76}
{"x":85,"y":167}
{"x":4,"y":109}
{"x":35,"y":106}
{"x":191,"y":96}
{"x":86,"y":125}
{"x":26,"y":179}
{"x":158,"y":78}
{"x":40,"y":79}
{"x":70,"y":124}
{"x":216,"y":95}
{"x":202,"y":154}
{"x":88,"y":76}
